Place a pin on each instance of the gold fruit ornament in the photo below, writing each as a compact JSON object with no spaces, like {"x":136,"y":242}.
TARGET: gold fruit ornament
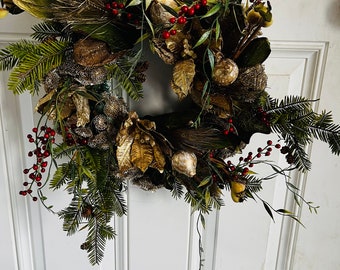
{"x":237,"y":191}
{"x":260,"y":15}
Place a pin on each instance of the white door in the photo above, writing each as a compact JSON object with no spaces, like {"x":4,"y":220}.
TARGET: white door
{"x":160,"y":232}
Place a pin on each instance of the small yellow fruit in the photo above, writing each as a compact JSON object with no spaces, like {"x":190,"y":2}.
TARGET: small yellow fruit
{"x":237,"y":190}
{"x":3,"y":13}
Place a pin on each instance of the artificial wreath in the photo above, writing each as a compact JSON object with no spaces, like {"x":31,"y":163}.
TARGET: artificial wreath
{"x":85,"y":53}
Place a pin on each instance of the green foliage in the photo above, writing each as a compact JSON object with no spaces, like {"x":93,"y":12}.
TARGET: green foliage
{"x":97,"y":196}
{"x":99,"y":231}
{"x":127,"y":79}
{"x":48,"y":29}
{"x":293,"y":118}
{"x":32,"y":62}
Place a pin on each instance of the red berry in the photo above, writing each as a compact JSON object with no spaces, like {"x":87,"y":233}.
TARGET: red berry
{"x":258,"y":155}
{"x":114,"y":5}
{"x":31,"y":140}
{"x":121,"y":6}
{"x":46,"y":135}
{"x":52,"y":133}
{"x":129,"y":16}
{"x":172,"y":20}
{"x":42,"y":128}
{"x":197,"y":6}
{"x":35,"y":130}
{"x":226,"y":132}
{"x":26,"y":171}
{"x":184,"y":9}
{"x":39,"y":184}
{"x":165,"y":34}
{"x":182,"y":20}
{"x":251,"y":165}
{"x":230,"y":120}
{"x":173,"y":32}
{"x":231,"y":129}
{"x":107,"y":6}
{"x":204,"y":2}
{"x":269,"y":149}
{"x":25,"y":184}
{"x":35,"y":199}
{"x":259,"y":149}
{"x":44,"y":164}
{"x":46,"y":153}
{"x":278,"y":146}
{"x":115,"y":12}
{"x":29,"y":191}
{"x":42,"y":170}
{"x":269,"y":142}
{"x":191,"y":11}
{"x":35,"y":167}
{"x":267,"y":153}
{"x":240,"y":159}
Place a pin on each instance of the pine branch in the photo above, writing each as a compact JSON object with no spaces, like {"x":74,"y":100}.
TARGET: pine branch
{"x":325,"y":130}
{"x":98,"y":233}
{"x":65,"y":172}
{"x":35,"y":61}
{"x":126,"y":81}
{"x":72,"y":215}
{"x":47,"y":30}
{"x":7,"y":60}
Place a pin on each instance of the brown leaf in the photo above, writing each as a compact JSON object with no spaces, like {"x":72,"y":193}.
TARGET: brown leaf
{"x":83,"y":108}
{"x":182,"y":77}
{"x":159,"y":159}
{"x":123,"y":153}
{"x":141,"y":154}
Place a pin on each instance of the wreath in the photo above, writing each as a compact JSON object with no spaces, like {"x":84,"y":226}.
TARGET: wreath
{"x":85,"y":55}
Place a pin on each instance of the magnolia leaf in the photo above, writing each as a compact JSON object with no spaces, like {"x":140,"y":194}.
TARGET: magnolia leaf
{"x":141,"y":154}
{"x":255,"y":53}
{"x":182,"y":77}
{"x":202,"y":39}
{"x":123,"y":153}
{"x":159,"y":159}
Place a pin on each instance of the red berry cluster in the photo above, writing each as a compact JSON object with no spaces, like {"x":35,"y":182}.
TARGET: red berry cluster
{"x":263,"y":116}
{"x":41,"y":138}
{"x":71,"y":138}
{"x":183,"y":15}
{"x":118,"y":9}
{"x":230,"y":129}
{"x":236,"y":171}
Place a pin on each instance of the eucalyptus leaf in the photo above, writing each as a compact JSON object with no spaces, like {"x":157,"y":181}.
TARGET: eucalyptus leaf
{"x":202,"y":39}
{"x":216,"y":8}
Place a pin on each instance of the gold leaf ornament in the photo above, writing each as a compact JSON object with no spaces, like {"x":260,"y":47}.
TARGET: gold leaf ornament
{"x":83,"y":108}
{"x":237,"y":191}
{"x":183,"y":77}
{"x":141,"y":152}
{"x":136,"y":147}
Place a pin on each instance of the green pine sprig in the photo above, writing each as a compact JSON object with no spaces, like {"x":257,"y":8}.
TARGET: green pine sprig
{"x":30,"y":62}
{"x":295,"y":121}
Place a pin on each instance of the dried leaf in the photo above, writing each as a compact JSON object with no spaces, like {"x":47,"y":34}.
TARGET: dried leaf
{"x":159,"y":159}
{"x":183,"y":76}
{"x":123,"y":153}
{"x":83,"y":109}
{"x":141,"y":154}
